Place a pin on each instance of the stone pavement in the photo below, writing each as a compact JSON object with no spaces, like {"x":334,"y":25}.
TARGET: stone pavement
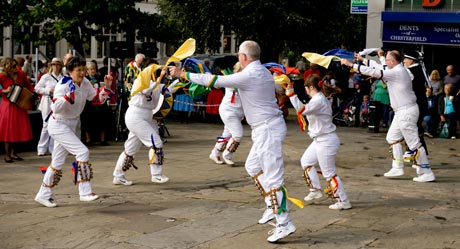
{"x":217,"y":206}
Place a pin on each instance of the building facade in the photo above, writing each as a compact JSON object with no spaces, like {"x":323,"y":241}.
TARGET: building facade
{"x":430,"y":26}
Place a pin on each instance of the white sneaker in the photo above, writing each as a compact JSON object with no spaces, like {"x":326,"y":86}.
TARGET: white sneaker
{"x":425,"y":177}
{"x":160,"y":178}
{"x":313,"y":195}
{"x":227,"y":158}
{"x":216,"y":159}
{"x":282,"y":231}
{"x":122,"y":181}
{"x":90,"y":197}
{"x":393,"y":172}
{"x":267,"y":216}
{"x":341,"y":205}
{"x":45,"y":202}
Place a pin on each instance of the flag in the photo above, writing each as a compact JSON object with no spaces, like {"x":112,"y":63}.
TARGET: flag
{"x":142,"y":81}
{"x":319,"y":59}
{"x":342,"y":53}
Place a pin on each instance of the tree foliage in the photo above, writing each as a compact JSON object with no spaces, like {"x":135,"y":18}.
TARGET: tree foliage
{"x":280,"y":27}
{"x":76,"y":21}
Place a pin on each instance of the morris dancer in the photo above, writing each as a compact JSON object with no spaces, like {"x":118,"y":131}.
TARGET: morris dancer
{"x":45,"y":87}
{"x":403,"y":102}
{"x":70,"y":96}
{"x":323,"y":150}
{"x":143,"y":129}
{"x":231,"y":113}
{"x":264,"y":164}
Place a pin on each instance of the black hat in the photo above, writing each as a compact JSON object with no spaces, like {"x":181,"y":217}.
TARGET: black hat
{"x":413,"y":55}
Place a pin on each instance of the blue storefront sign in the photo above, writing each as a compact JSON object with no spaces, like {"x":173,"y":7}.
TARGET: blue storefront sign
{"x":423,"y":33}
{"x":421,"y":27}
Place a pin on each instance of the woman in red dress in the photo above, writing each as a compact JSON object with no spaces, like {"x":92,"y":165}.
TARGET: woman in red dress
{"x":14,"y":121}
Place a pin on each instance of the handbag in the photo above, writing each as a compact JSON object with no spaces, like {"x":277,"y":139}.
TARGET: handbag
{"x":444,"y":130}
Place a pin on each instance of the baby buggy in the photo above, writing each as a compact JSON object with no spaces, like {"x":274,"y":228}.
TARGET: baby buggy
{"x":345,"y":113}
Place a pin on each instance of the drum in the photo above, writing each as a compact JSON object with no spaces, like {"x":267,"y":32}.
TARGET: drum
{"x":21,"y":96}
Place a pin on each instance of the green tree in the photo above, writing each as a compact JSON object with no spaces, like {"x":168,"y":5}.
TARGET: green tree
{"x":280,"y":27}
{"x":76,"y":21}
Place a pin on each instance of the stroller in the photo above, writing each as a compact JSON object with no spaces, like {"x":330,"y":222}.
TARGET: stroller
{"x":345,"y":113}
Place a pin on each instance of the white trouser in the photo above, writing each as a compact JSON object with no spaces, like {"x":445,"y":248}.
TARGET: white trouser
{"x":46,"y":142}
{"x":64,"y":132}
{"x":266,"y":154}
{"x":404,"y":127}
{"x":142,"y":127}
{"x":323,"y":151}
{"x":232,"y":126}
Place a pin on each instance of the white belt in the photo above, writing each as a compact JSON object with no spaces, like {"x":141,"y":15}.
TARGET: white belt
{"x":59,"y":117}
{"x":323,"y":134}
{"x":265,"y":122}
{"x":404,"y":107}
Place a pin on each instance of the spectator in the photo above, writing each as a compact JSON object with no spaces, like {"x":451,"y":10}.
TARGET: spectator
{"x":357,"y":100}
{"x":20,"y":60}
{"x":312,"y":70}
{"x":66,"y":59}
{"x":364,"y":112}
{"x":381,"y":95}
{"x":436,"y":82}
{"x":448,"y":109}
{"x":431,"y":119}
{"x":14,"y":121}
{"x":300,"y":65}
{"x":95,"y":118}
{"x":27,"y":68}
{"x":452,"y":78}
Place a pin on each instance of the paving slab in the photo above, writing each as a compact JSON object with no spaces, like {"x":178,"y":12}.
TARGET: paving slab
{"x":206,"y":205}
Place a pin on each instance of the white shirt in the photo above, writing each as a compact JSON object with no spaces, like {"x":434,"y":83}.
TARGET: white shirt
{"x":46,"y":83}
{"x":63,"y":109}
{"x":43,"y":87}
{"x":397,"y":79}
{"x":318,"y":112}
{"x":256,"y":88}
{"x":231,"y":92}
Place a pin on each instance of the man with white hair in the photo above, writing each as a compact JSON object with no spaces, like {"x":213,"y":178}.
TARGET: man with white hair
{"x":404,"y":103}
{"x":264,"y":163}
{"x":132,"y":70}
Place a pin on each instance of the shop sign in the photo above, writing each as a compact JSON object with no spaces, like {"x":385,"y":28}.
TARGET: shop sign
{"x":429,"y":33}
{"x":358,"y":7}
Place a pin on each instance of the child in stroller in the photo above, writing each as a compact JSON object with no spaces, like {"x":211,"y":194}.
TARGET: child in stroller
{"x":364,"y":112}
{"x":345,"y":113}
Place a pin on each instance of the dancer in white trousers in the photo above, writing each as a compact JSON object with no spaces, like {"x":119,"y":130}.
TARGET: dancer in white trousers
{"x":231,"y":113}
{"x":143,"y":130}
{"x":323,"y":150}
{"x":403,"y":102}
{"x":264,"y":164}
{"x":45,"y":87}
{"x":70,"y":96}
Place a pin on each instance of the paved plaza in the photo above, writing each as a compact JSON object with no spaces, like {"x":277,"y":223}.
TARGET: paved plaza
{"x":206,"y":205}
